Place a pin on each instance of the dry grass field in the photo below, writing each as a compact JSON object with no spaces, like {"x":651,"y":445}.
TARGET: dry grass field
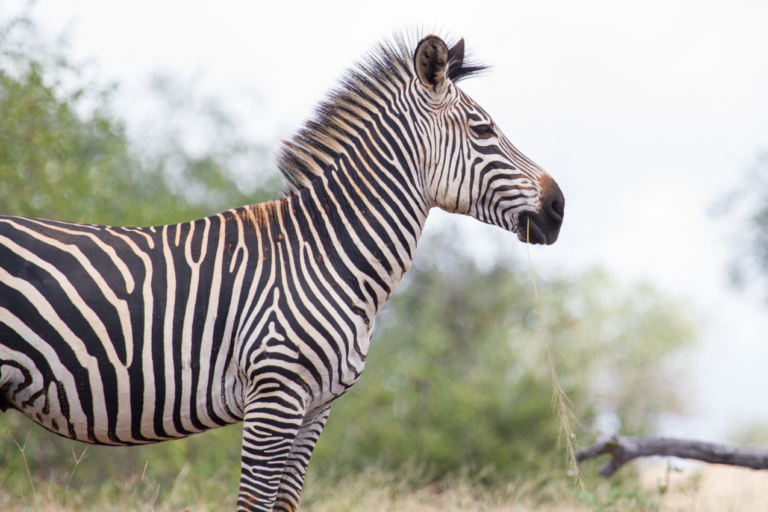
{"x":710,"y":489}
{"x":695,"y":489}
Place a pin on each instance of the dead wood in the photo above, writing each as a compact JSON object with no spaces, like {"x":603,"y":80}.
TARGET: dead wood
{"x":625,"y":449}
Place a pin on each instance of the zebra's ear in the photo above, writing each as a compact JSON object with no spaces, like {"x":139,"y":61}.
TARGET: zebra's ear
{"x":431,"y":62}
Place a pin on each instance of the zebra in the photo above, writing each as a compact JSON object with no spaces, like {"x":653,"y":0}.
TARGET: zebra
{"x":262,"y":314}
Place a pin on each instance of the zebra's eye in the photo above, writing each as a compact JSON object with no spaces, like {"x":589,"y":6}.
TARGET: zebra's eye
{"x":482,"y":130}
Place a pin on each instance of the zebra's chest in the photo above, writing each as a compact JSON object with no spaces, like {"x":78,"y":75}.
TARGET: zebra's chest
{"x":319,"y":347}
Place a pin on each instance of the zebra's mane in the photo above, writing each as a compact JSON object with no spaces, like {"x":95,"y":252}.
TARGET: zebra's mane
{"x":311,"y":150}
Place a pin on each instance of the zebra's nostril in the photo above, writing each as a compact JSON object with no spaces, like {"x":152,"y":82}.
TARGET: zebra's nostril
{"x":554,"y":201}
{"x":558,"y":207}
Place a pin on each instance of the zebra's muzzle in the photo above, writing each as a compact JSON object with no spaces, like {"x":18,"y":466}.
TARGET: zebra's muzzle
{"x":543,"y":227}
{"x":529,"y":231}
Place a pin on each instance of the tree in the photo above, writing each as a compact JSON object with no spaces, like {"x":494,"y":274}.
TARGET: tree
{"x":747,"y":208}
{"x":65,"y":155}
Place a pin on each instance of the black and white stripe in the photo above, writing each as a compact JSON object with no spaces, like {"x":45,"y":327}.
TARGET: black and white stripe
{"x":261,"y":314}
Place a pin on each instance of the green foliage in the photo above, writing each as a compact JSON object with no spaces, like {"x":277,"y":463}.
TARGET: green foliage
{"x":747,"y":207}
{"x":49,"y":157}
{"x":457,"y":375}
{"x":64,"y":155}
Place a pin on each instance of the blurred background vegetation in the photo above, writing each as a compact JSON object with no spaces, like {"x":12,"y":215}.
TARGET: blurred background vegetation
{"x":747,"y":207}
{"x":457,"y":382}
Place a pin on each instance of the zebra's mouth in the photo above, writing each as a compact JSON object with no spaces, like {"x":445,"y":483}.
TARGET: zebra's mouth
{"x":529,"y":231}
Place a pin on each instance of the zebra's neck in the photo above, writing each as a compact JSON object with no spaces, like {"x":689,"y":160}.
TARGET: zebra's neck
{"x":360,"y":163}
{"x":364,"y":221}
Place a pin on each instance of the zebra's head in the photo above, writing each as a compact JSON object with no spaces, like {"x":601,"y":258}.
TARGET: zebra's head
{"x":469,"y":165}
{"x":400,"y":112}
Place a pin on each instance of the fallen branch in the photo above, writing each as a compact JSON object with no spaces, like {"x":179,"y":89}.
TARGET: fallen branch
{"x":625,"y":449}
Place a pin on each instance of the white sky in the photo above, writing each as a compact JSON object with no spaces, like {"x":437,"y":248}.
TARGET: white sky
{"x":646,"y":113}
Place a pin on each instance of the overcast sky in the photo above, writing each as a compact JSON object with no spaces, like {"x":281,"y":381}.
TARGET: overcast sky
{"x":646,"y":113}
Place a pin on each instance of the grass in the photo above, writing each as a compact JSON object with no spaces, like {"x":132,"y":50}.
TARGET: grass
{"x":560,"y":400}
{"x":654,"y":488}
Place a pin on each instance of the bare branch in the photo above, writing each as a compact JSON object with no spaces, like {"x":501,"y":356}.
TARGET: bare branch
{"x":625,"y":449}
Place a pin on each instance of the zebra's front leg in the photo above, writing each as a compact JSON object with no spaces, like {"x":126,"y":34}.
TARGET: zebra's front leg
{"x":270,"y":427}
{"x":296,"y":466}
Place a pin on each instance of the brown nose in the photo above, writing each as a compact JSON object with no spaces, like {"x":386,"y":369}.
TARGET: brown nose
{"x":553,"y":201}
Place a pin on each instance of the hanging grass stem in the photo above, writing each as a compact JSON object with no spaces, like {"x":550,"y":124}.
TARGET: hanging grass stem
{"x":560,"y":401}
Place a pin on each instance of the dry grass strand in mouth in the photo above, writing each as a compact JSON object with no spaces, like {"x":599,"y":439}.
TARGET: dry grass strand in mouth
{"x":560,"y":401}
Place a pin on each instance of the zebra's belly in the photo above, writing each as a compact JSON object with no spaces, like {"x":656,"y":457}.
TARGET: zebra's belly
{"x":31,"y":387}
{"x":104,"y":409}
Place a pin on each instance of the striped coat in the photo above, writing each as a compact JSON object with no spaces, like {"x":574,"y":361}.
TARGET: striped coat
{"x":262,"y":314}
